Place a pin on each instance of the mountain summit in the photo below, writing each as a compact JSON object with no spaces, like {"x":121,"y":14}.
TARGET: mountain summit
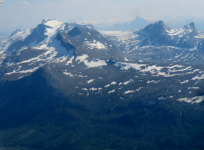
{"x":159,"y":34}
{"x":54,"y":41}
{"x":159,"y":43}
{"x":154,"y":34}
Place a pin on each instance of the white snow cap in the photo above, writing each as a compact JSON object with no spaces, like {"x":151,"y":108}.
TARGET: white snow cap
{"x":52,"y":23}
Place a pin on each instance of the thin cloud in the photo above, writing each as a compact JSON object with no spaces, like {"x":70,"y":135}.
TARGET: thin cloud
{"x":24,"y":3}
{"x":77,"y":0}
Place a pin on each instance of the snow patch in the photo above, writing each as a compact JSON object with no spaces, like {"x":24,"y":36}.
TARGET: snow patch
{"x":89,"y":81}
{"x":112,"y":91}
{"x":82,"y":58}
{"x":91,"y":64}
{"x":153,"y":81}
{"x":127,"y":82}
{"x":52,"y":23}
{"x":132,"y":91}
{"x":186,"y":81}
{"x":129,"y":91}
{"x":194,"y":88}
{"x":126,"y":59}
{"x":198,"y":78}
{"x":21,"y":34}
{"x":95,"y":44}
{"x":126,"y":66}
{"x":56,"y":44}
{"x":113,"y":83}
{"x":107,"y":85}
{"x":93,"y":89}
{"x":139,"y":89}
{"x":97,"y":63}
{"x":70,"y":61}
{"x":69,"y":74}
{"x":197,"y":99}
{"x":24,"y":71}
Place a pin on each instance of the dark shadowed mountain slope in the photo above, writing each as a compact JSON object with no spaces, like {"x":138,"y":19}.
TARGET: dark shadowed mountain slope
{"x":60,"y":106}
{"x":74,"y":90}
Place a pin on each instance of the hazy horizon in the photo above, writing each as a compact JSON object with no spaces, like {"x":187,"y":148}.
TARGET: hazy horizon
{"x":20,"y":14}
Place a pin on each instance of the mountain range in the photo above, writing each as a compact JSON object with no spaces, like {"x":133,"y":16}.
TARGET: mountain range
{"x":68,"y":86}
{"x":137,"y":23}
{"x":159,"y":43}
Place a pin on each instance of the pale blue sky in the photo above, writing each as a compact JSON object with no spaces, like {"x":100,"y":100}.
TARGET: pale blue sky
{"x":26,"y":14}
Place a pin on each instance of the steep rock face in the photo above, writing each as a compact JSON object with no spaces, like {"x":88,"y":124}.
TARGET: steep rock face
{"x":201,"y":46}
{"x":155,"y":34}
{"x":74,"y":32}
{"x":158,"y":34}
{"x":186,"y":39}
{"x":67,"y":44}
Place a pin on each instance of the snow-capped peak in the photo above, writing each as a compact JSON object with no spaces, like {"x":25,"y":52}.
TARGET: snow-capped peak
{"x":183,"y":30}
{"x":52,"y":23}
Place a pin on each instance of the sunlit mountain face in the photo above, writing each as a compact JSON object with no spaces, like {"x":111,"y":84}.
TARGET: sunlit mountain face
{"x":69,"y":86}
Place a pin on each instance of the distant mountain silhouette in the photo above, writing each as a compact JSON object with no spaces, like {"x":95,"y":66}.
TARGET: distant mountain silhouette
{"x":137,"y":23}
